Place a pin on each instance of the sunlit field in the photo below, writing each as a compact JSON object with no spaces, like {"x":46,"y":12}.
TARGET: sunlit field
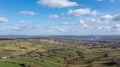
{"x":44,"y":53}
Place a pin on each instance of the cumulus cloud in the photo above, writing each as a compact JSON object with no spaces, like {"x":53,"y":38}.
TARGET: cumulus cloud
{"x":81,"y":21}
{"x":67,"y":23}
{"x":106,"y":18}
{"x":25,"y":28}
{"x":54,"y":16}
{"x":3,"y":19}
{"x":101,"y":19}
{"x":57,"y":3}
{"x":28,"y":13}
{"x":116,"y":27}
{"x":80,"y":12}
{"x":95,"y":12}
{"x":95,"y":20}
{"x":55,"y":28}
{"x":105,"y":28}
{"x":117,"y":18}
{"x":85,"y":26}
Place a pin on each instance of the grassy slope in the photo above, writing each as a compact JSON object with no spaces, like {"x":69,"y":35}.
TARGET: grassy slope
{"x":59,"y":55}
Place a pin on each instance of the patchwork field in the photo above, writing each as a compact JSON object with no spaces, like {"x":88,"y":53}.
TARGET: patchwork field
{"x":43,"y":53}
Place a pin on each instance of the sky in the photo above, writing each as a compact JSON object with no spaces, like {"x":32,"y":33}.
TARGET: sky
{"x":59,"y":17}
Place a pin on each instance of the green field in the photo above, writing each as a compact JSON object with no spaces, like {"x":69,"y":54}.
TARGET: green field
{"x":37,"y":53}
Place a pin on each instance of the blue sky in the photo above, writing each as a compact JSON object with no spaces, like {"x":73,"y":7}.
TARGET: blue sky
{"x":59,"y":17}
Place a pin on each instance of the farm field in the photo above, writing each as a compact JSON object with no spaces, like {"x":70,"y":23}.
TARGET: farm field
{"x":41,"y":53}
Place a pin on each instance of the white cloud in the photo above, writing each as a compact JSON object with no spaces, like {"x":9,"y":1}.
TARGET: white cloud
{"x":116,"y":27}
{"x":117,"y":18}
{"x":80,"y":12}
{"x":105,"y":28}
{"x":82,"y":21}
{"x":3,"y":19}
{"x":57,"y":3}
{"x":85,"y":26}
{"x":67,"y":23}
{"x":16,"y":28}
{"x":95,"y":20}
{"x":28,"y":13}
{"x":26,"y":27}
{"x":95,"y":12}
{"x":101,"y":19}
{"x":21,"y":21}
{"x":75,"y":29}
{"x":55,"y":28}
{"x":54,"y":16}
{"x":106,"y":18}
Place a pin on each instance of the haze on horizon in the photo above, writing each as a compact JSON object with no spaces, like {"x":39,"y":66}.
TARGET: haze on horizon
{"x":59,"y":17}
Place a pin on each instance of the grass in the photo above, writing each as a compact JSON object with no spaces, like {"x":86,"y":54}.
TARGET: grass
{"x":2,"y":64}
{"x":5,"y":53}
{"x":53,"y":55}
